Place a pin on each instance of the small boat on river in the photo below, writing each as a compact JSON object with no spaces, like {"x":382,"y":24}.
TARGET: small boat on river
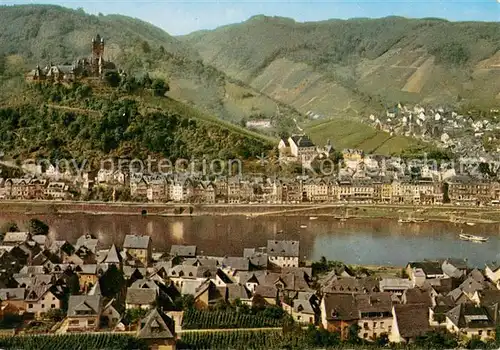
{"x":472,"y":238}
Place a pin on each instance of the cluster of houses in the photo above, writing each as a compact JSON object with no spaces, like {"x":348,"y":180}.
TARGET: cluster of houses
{"x":464,"y":134}
{"x":458,"y":190}
{"x":358,"y":178}
{"x":35,"y":275}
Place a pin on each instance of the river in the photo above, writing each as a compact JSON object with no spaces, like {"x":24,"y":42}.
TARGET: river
{"x":370,"y":242}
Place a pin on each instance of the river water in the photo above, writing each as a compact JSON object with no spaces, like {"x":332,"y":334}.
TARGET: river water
{"x":375,"y":241}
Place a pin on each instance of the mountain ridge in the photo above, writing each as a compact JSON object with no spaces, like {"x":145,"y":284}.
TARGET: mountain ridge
{"x":392,"y":59}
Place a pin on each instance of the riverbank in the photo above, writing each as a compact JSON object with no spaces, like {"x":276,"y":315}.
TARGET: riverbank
{"x":341,"y":212}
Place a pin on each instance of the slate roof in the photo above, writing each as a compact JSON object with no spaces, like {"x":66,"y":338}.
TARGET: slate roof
{"x":212,"y":263}
{"x":145,"y":283}
{"x":460,"y":264}
{"x":90,"y":303}
{"x":476,"y":275}
{"x":470,"y":285}
{"x":87,"y":241}
{"x":96,"y":289}
{"x":140,"y":296}
{"x":186,"y":271}
{"x":283,"y":248}
{"x":374,"y":302}
{"x":112,"y":256}
{"x":412,"y":319}
{"x":16,"y":237}
{"x":417,"y":296}
{"x":470,"y":316}
{"x":429,"y":267}
{"x":183,"y":250}
{"x":37,"y":291}
{"x":238,"y":291}
{"x":40,"y":239}
{"x":395,"y":283}
{"x":236,"y":263}
{"x":352,"y":285}
{"x":304,"y":306}
{"x":266,"y":291}
{"x":136,"y":242}
{"x":302,"y":141}
{"x":12,"y":294}
{"x":489,"y":297}
{"x":156,"y":325}
{"x":340,"y":307}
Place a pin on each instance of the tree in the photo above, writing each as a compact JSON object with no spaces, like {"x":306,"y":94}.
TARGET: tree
{"x":145,"y":81}
{"x":73,"y":284}
{"x":55,"y":315}
{"x":112,"y":79}
{"x":112,"y":282}
{"x":145,"y":47}
{"x":9,"y":226}
{"x":133,"y":316}
{"x":38,"y":227}
{"x":437,"y":340}
{"x":352,"y":335}
{"x":159,"y":87}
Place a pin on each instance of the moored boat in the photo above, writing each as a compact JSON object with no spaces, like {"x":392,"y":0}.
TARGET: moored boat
{"x":472,"y":238}
{"x":313,"y":218}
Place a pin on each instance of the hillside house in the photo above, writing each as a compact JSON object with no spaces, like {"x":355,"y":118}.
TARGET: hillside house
{"x":297,"y":148}
{"x":158,"y":330}
{"x":84,"y":313}
{"x":472,"y":321}
{"x":283,"y":253}
{"x":139,"y":247}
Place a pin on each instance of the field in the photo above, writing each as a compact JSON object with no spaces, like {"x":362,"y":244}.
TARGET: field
{"x":195,"y":319}
{"x":73,"y":341}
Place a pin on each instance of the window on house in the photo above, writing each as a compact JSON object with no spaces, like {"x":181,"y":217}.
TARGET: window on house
{"x":365,"y":335}
{"x":30,"y":306}
{"x":365,"y":325}
{"x":374,"y":324}
{"x":381,"y":324}
{"x":74,"y":322}
{"x":90,"y":322}
{"x":480,"y":332}
{"x":488,"y":332}
{"x":52,"y":306}
{"x":43,"y":306}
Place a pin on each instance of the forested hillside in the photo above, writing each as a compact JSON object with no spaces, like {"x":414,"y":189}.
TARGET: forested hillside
{"x":343,"y":67}
{"x":74,"y":123}
{"x":32,"y":34}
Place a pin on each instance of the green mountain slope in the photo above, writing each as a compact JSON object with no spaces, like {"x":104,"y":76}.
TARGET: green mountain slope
{"x":86,"y":124}
{"x":345,"y":67}
{"x":32,"y":34}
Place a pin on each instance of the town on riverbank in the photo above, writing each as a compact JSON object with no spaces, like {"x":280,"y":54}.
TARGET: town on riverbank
{"x":60,"y":294}
{"x":302,"y":174}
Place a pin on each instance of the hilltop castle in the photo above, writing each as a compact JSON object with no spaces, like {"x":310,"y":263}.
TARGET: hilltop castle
{"x":94,"y":66}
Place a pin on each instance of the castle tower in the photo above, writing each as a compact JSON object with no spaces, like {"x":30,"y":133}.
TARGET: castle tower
{"x":97,"y":47}
{"x":97,"y":55}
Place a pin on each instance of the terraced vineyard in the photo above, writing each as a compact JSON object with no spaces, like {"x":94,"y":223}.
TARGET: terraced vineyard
{"x":262,"y":339}
{"x":196,"y":319}
{"x":354,"y":134}
{"x":102,"y":341}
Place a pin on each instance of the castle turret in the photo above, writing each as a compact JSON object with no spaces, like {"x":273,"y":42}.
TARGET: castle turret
{"x":97,"y":55}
